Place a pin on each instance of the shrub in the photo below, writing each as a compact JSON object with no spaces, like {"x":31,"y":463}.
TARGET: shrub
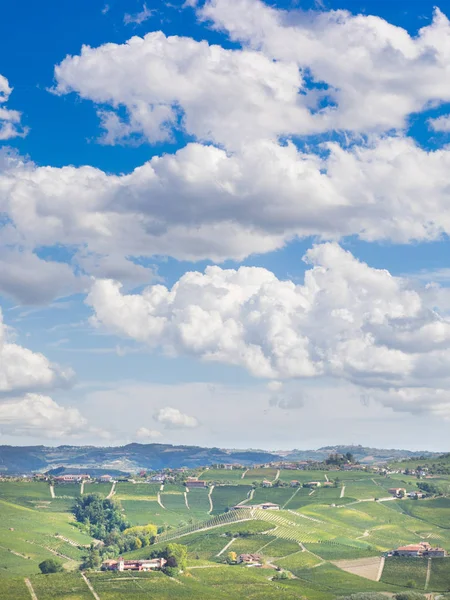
{"x":51,"y":565}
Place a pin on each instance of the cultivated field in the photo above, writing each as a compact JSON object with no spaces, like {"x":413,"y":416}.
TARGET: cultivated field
{"x":330,"y":539}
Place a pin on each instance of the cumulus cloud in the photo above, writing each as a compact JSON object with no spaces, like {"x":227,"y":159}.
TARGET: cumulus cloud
{"x":172,"y":418}
{"x":264,"y":196}
{"x":440,"y":123}
{"x":250,"y":192}
{"x":214,"y":94}
{"x":418,"y":400}
{"x":372,"y":74}
{"x":10,"y":126}
{"x":23,"y":370}
{"x":298,"y":73}
{"x":37,"y":415}
{"x":143,"y":433}
{"x":347,"y":320}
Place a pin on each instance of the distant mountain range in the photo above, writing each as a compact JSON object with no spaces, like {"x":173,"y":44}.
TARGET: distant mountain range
{"x":134,"y":457}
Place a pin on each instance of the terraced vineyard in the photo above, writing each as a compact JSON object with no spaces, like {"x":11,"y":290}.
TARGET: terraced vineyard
{"x":314,"y":536}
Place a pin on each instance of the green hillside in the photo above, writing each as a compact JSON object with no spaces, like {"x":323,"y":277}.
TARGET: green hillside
{"x":329,"y":540}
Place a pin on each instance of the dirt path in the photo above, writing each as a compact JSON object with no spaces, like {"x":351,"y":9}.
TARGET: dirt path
{"x":277,"y":476}
{"x":342,"y":491}
{"x":226,"y":547}
{"x":158,"y":499}
{"x":14,"y":552}
{"x":291,"y":497}
{"x":380,"y":568}
{"x":311,"y":492}
{"x":297,"y":514}
{"x":244,"y":473}
{"x":30,"y":589}
{"x":52,"y":491}
{"x":71,"y":542}
{"x":250,"y":495}
{"x":326,"y":477}
{"x":186,"y":500}
{"x":82,"y":488}
{"x":89,"y":584}
{"x":211,"y":507}
{"x":112,"y":491}
{"x":427,"y":580}
{"x":161,"y":489}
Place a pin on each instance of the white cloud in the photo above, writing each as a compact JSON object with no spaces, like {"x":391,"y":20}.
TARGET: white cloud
{"x":143,"y":433}
{"x":172,"y":418}
{"x":367,"y":74}
{"x":264,"y":196}
{"x":23,"y":370}
{"x":10,"y":126}
{"x":37,"y":415}
{"x":348,"y":321}
{"x":31,"y":280}
{"x":214,"y":94}
{"x":138,"y":18}
{"x":415,"y":400}
{"x":374,"y":72}
{"x":275,"y":386}
{"x":440,"y":123}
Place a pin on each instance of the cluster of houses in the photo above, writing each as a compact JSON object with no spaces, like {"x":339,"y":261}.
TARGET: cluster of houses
{"x":402,"y":493}
{"x":78,"y":478}
{"x":151,"y":564}
{"x":422,"y":549}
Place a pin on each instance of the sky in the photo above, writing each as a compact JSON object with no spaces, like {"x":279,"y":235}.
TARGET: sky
{"x":225,"y":223}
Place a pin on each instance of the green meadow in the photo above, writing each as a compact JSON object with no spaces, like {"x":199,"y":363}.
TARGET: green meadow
{"x":314,"y":535}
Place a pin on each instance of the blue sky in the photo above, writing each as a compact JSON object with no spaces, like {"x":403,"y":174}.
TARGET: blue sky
{"x":294,"y":156}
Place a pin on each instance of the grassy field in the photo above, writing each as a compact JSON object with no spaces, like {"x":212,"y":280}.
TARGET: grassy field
{"x":311,"y":530}
{"x":260,"y":475}
{"x":233,"y":477}
{"x":225,"y":496}
{"x":402,"y":571}
{"x":32,"y":528}
{"x":440,"y":575}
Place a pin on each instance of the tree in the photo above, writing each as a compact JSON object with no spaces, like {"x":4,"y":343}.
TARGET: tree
{"x":92,"y":560}
{"x":100,"y":515}
{"x":176,"y":556}
{"x":51,"y":565}
{"x":146,"y":530}
{"x":231,"y":558}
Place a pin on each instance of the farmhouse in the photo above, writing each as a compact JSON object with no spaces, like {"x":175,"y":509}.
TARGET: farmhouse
{"x":71,"y":478}
{"x":193,"y":482}
{"x":105,"y":478}
{"x":313,"y":484}
{"x":421,"y":549}
{"x":228,"y":467}
{"x":397,"y":492}
{"x":249,"y":559}
{"x":294,"y":483}
{"x":154,"y":564}
{"x":158,"y":478}
{"x":266,"y":483}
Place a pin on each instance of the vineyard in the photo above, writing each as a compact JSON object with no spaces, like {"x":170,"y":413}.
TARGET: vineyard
{"x":314,"y":536}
